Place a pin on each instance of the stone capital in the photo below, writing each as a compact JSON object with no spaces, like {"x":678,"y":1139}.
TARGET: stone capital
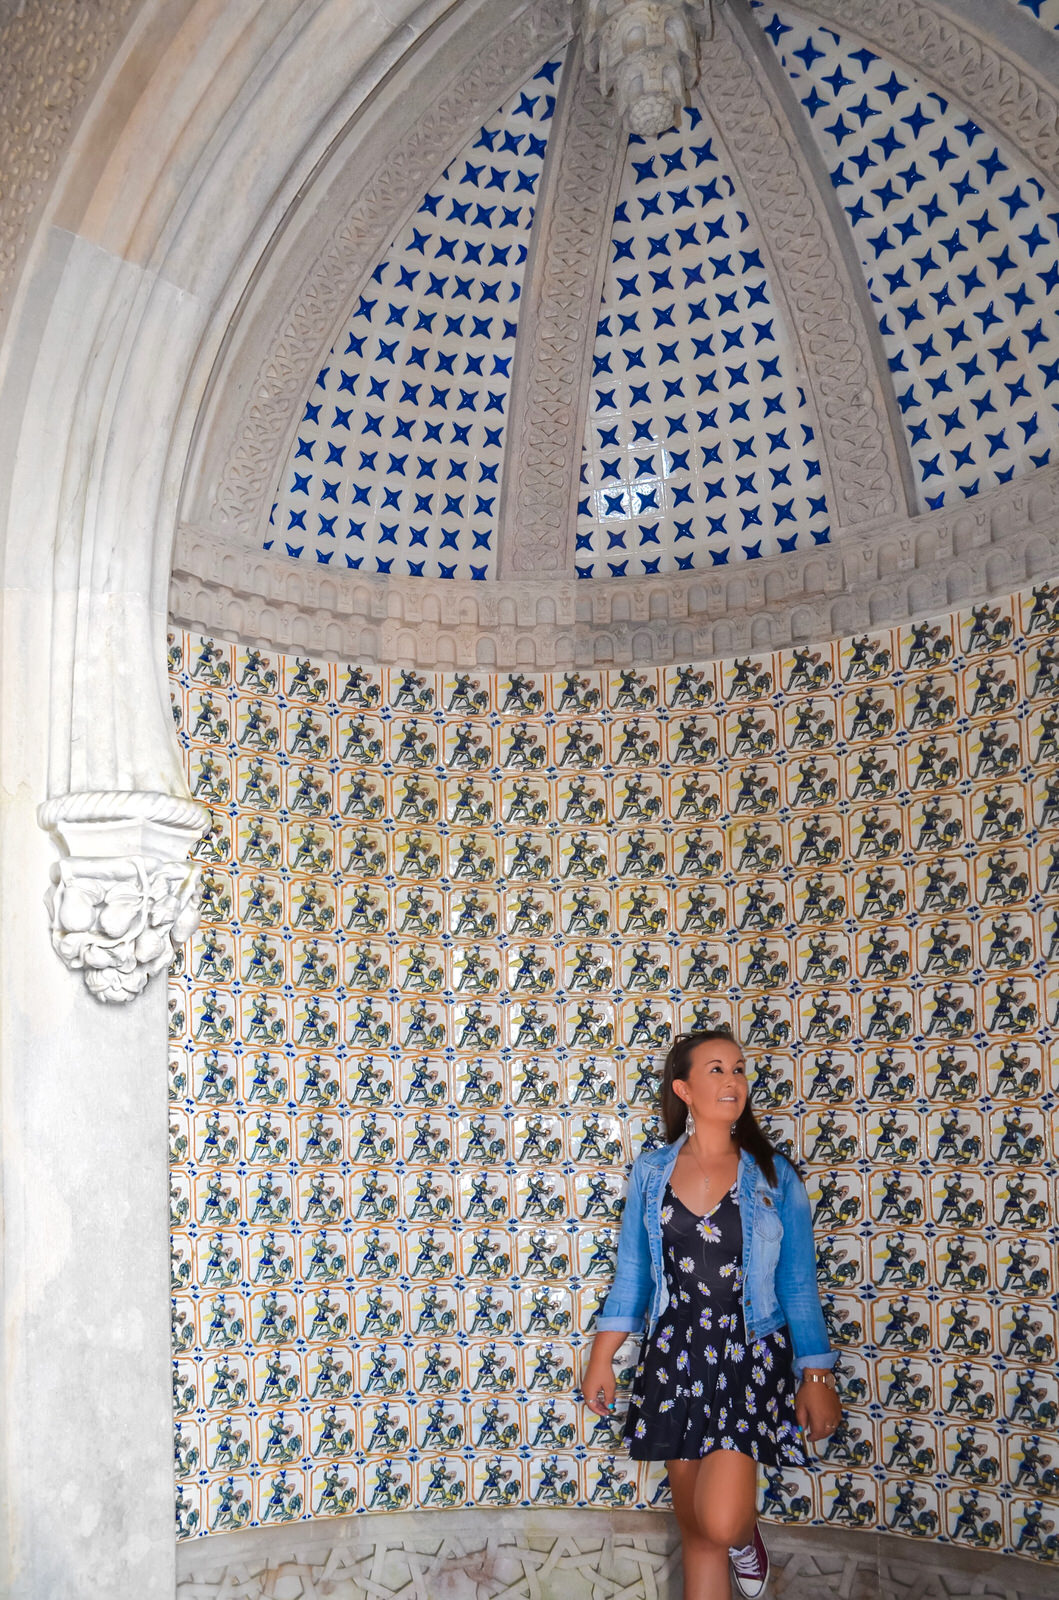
{"x":124,"y":895}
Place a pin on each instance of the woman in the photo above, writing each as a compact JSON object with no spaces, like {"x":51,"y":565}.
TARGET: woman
{"x":716,"y":1250}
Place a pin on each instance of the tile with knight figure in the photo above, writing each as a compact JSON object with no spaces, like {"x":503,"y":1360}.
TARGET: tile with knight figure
{"x":1030,"y":1390}
{"x":422,"y":1081}
{"x":598,"y":1196}
{"x":408,"y":691}
{"x":518,"y":747}
{"x":524,"y":802}
{"x":810,"y":782}
{"x":333,"y":1489}
{"x":1017,"y":1070}
{"x":1039,"y":667}
{"x":483,"y":1197}
{"x":466,"y":694}
{"x":386,"y":1485}
{"x":974,"y":1517}
{"x":595,"y":1252}
{"x":749,"y":733}
{"x":441,"y":1481}
{"x":952,"y":1072}
{"x":636,"y":798}
{"x":426,"y":1139}
{"x":481,"y":1081}
{"x":369,"y":1080}
{"x":485,"y":1254}
{"x":961,"y":1265}
{"x":828,"y":1075}
{"x":575,"y":694}
{"x":694,"y":796}
{"x":379,"y":1313}
{"x":487,"y":1312}
{"x":497,"y":1480}
{"x":357,"y":686}
{"x":360,"y":743}
{"x":689,"y":688}
{"x":632,"y":689}
{"x":321,"y":1199}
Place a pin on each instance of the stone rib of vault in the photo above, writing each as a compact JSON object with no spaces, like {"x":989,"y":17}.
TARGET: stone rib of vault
{"x":646,"y":55}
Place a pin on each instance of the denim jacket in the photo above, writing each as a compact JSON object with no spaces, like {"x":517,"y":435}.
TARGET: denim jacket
{"x":779,"y":1257}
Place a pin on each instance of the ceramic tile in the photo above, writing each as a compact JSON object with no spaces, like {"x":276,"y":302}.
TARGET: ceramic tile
{"x":416,"y":1043}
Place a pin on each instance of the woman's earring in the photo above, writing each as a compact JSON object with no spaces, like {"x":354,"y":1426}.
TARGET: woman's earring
{"x":689,"y":1125}
{"x":733,"y":1128}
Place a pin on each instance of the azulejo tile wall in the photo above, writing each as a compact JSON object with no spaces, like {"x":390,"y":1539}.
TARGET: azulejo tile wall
{"x":449,"y":922}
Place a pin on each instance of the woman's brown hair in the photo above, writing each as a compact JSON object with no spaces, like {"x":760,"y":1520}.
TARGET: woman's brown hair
{"x":749,"y":1134}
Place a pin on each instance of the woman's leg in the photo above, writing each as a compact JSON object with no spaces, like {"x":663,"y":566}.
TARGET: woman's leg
{"x":715,"y":1502}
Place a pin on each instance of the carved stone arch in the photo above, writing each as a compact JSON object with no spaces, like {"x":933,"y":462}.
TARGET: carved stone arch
{"x":1000,"y":571}
{"x":958,"y":584}
{"x":761,"y":632}
{"x":813,"y":274}
{"x":450,"y":80}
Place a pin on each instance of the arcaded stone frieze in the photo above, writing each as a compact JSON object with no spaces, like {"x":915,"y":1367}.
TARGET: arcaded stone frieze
{"x":645,"y":54}
{"x":553,"y":361}
{"x":50,"y":54}
{"x":844,"y":383}
{"x":274,"y":392}
{"x":888,"y":573}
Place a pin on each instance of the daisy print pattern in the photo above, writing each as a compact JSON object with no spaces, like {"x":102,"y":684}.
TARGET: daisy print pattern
{"x":699,"y":1385}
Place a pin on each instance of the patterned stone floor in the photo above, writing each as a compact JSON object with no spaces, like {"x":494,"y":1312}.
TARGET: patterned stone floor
{"x":568,"y":1555}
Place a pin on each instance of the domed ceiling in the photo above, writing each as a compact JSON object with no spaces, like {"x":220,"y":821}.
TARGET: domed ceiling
{"x":823,"y":302}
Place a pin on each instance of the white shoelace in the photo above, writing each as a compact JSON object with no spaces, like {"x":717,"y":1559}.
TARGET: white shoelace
{"x":745,"y":1559}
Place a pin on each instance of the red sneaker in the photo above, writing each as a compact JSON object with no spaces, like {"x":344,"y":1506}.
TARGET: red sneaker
{"x":751,"y":1566}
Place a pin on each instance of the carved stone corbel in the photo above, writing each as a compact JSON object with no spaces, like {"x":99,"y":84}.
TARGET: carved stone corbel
{"x":124,"y":896}
{"x":646,"y":54}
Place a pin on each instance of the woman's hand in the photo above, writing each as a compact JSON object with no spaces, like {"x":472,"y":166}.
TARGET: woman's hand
{"x":818,"y":1409}
{"x":598,"y":1388}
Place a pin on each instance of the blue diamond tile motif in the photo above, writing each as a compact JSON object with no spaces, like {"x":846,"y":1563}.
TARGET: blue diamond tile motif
{"x":397,"y":461}
{"x":699,"y":443}
{"x":960,"y":248}
{"x":1046,"y":12}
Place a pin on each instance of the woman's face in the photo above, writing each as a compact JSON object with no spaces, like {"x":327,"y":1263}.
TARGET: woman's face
{"x":716,"y":1083}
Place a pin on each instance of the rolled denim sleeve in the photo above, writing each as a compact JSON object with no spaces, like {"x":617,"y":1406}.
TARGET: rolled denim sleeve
{"x":796,"y":1284}
{"x":626,"y":1305}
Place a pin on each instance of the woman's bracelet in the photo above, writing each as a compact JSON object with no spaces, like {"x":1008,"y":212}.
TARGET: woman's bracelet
{"x":827,"y":1378}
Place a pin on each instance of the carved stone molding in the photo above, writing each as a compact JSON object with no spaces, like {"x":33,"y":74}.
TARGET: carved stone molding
{"x":885,"y":574}
{"x":646,"y":56}
{"x":998,"y":90}
{"x":275,"y":392}
{"x":49,"y":57}
{"x":861,"y":456}
{"x":124,"y":897}
{"x":557,"y":328}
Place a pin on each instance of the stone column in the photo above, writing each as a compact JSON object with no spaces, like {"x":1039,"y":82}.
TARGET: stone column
{"x":86,"y":1494}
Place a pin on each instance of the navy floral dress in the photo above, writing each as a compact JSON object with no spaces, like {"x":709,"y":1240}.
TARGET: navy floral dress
{"x":699,"y":1386}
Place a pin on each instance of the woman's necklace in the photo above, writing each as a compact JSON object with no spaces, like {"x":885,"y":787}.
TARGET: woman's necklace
{"x":706,"y":1176}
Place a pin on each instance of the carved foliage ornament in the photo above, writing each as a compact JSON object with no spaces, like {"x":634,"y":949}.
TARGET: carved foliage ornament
{"x":646,"y":53}
{"x":125,"y":898}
